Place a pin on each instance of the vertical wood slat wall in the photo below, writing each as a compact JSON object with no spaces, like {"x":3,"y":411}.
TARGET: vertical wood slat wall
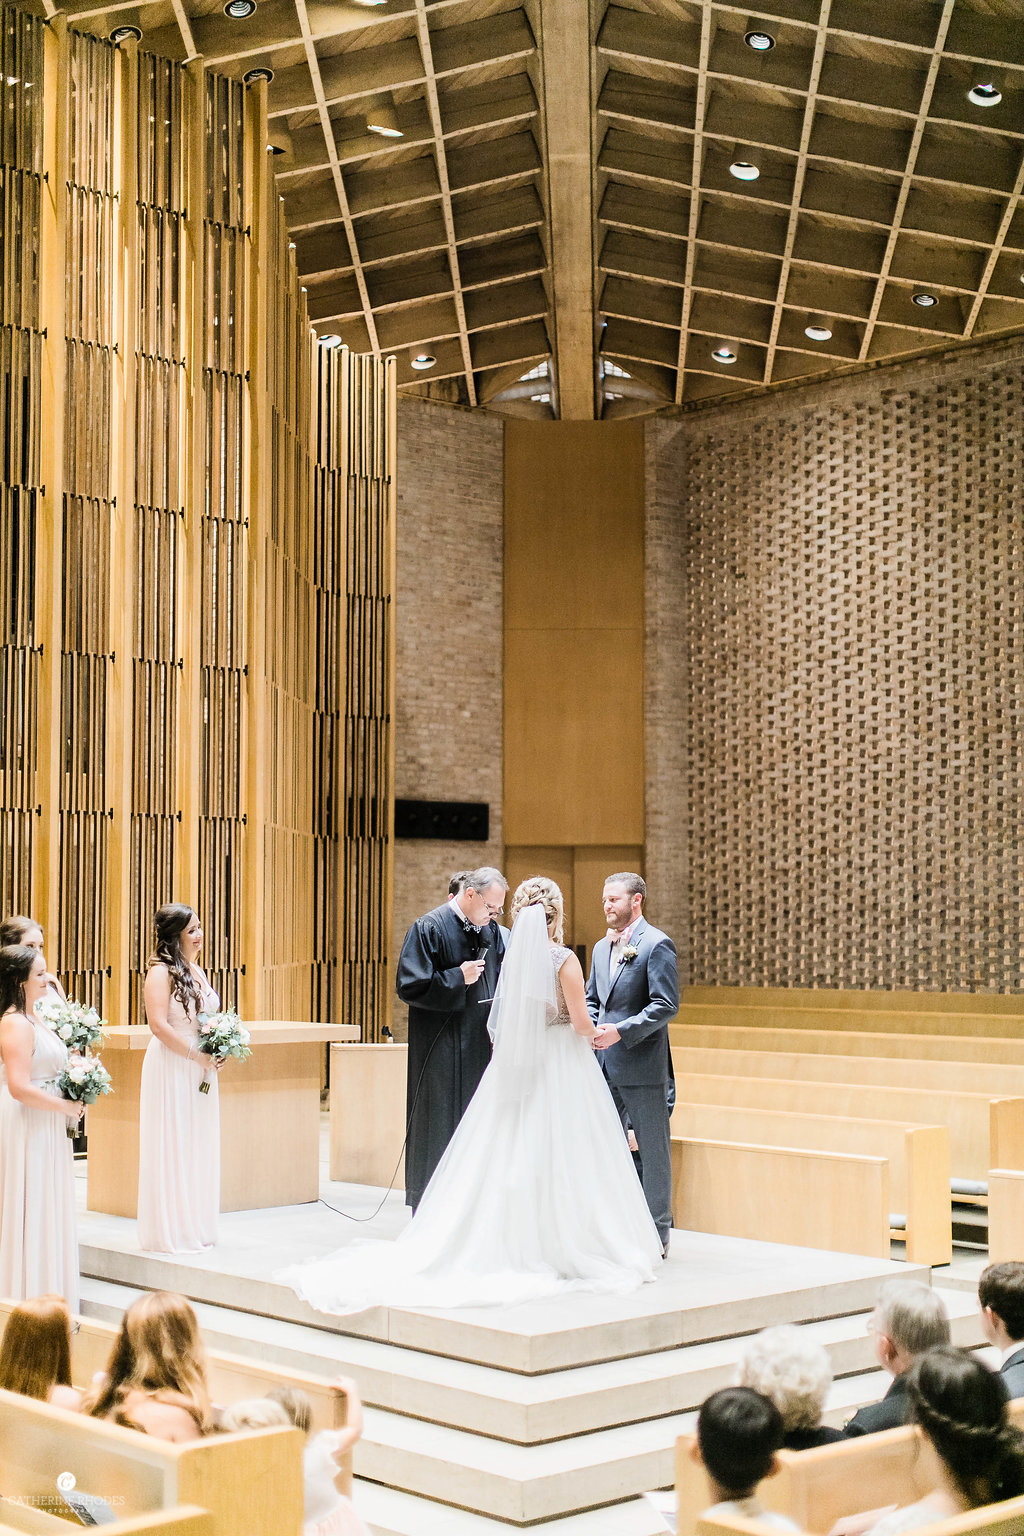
{"x":200,"y":602}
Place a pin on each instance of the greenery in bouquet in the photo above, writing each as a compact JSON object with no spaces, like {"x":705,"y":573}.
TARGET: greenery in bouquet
{"x":79,"y":1026}
{"x":222,"y":1035}
{"x":83,"y":1081}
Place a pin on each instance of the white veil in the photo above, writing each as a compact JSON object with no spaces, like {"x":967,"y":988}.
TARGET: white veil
{"x":524,"y":1005}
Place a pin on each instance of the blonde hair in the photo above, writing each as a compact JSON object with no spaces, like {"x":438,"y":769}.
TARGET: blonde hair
{"x":36,"y":1351}
{"x":296,"y":1404}
{"x":159,"y":1351}
{"x":254,"y":1413}
{"x":538,"y":891}
{"x":790,"y":1367}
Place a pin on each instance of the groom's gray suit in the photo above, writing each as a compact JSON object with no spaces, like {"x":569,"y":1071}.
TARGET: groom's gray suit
{"x":639,"y":1000}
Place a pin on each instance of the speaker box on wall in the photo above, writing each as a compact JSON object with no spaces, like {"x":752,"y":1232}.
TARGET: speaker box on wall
{"x":457,"y":821}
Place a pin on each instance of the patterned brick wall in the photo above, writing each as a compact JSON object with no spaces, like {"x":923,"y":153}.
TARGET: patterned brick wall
{"x":835,"y":672}
{"x":448,"y":729}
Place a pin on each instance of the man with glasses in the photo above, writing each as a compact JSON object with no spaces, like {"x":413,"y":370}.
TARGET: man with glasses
{"x":447,"y":973}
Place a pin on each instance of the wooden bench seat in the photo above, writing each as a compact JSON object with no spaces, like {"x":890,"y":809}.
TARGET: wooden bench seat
{"x":251,"y":1484}
{"x":31,"y":1520}
{"x":1006,"y":1519}
{"x":918,"y":1158}
{"x":851,"y":1042}
{"x":984,"y":1132}
{"x":818,"y":1487}
{"x":810,"y":1199}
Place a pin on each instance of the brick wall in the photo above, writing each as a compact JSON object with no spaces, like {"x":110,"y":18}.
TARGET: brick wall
{"x":448,"y":728}
{"x":835,"y":678}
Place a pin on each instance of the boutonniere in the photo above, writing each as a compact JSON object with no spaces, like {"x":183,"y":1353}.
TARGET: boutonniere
{"x":629,"y":952}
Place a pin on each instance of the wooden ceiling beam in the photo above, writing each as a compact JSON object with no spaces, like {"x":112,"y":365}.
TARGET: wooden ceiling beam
{"x":706,"y":35}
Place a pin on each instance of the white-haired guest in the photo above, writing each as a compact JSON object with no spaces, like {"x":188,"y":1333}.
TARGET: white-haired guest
{"x":786,"y":1365}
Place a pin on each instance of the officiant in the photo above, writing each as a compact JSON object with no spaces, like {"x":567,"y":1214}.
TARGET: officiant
{"x":447,"y":973}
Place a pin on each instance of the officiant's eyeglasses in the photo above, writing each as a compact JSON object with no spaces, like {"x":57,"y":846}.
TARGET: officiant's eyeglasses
{"x":494,"y":911}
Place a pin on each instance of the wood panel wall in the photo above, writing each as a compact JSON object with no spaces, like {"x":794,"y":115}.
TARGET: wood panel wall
{"x":197,"y":558}
{"x":574,"y":657}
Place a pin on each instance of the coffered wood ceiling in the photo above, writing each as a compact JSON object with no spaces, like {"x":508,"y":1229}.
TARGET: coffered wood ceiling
{"x":562,"y":195}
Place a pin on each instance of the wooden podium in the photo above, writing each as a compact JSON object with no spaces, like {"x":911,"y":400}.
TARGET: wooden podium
{"x":368,"y":1113}
{"x":269,"y":1119}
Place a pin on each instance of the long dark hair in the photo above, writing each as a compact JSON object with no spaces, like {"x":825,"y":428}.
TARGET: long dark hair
{"x":14,"y":929}
{"x":16,"y":962}
{"x":961,"y":1406}
{"x":170,"y":923}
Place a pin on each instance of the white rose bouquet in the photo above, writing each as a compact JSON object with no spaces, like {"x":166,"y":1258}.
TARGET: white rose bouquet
{"x":83,"y":1081}
{"x":222,"y":1035}
{"x":79,"y":1026}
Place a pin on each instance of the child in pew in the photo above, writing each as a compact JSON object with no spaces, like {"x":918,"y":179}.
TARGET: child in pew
{"x":35,"y":1356}
{"x":155,"y":1380}
{"x":791,"y":1368}
{"x":739,"y":1432}
{"x":976,"y":1454}
{"x":327,"y":1512}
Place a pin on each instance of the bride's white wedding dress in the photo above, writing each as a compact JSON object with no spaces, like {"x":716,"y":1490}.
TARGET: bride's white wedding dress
{"x":536,"y":1194}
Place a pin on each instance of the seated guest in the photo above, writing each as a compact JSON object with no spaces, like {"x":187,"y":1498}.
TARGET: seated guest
{"x":738,"y":1434}
{"x":960,"y":1407}
{"x":1001,"y":1298}
{"x":788,"y":1366}
{"x":327,"y":1512}
{"x":156,"y":1376}
{"x":909,"y":1319}
{"x":35,"y":1356}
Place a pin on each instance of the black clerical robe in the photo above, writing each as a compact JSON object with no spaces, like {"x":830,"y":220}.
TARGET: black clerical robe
{"x":449,"y":1046}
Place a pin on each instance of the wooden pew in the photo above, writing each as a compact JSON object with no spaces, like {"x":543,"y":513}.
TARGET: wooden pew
{"x":251,"y":1484}
{"x":984,"y":1132}
{"x":1005,"y":1215}
{"x":1006,"y":1519}
{"x":778,"y":1194}
{"x":997,"y":1079}
{"x":918,"y":1158}
{"x":29,"y":1520}
{"x":818,"y":1487}
{"x":840,"y":1041}
{"x":232,"y":1378}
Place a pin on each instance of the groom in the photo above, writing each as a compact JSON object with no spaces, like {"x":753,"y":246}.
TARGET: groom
{"x":632,"y":994}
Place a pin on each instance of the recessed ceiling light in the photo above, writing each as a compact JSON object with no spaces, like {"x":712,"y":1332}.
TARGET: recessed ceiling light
{"x":240,"y":9}
{"x":724,"y":355}
{"x":818,"y":332}
{"x":330,"y":342}
{"x":743,"y":170}
{"x":925,"y":300}
{"x":423,"y":360}
{"x":275,"y":149}
{"x":251,"y":76}
{"x":759,"y":41}
{"x":123,"y":34}
{"x":987,"y":95}
{"x":369,"y":3}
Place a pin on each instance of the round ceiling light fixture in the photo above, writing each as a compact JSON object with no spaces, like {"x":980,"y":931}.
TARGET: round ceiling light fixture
{"x":275,"y":149}
{"x":985,"y":94}
{"x":724,"y":354}
{"x":238,"y":10}
{"x":761,"y":42}
{"x":253,"y":76}
{"x":818,"y":332}
{"x":924,"y":300}
{"x":330,"y":341}
{"x":423,"y":360}
{"x":744,"y":170}
{"x":125,"y":34}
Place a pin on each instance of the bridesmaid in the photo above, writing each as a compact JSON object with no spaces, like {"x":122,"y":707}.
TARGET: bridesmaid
{"x":179,"y":1127}
{"x":25,"y":930}
{"x":38,"y":1238}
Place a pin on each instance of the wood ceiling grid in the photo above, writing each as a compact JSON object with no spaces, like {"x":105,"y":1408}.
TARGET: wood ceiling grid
{"x":879,"y":179}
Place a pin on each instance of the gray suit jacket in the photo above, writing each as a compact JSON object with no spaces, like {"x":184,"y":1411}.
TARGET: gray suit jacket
{"x":1012,"y":1373}
{"x":640,"y":1000}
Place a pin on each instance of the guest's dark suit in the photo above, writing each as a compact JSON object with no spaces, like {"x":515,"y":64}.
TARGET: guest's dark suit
{"x":1012,"y":1372}
{"x":890,"y":1413}
{"x":639,"y":1000}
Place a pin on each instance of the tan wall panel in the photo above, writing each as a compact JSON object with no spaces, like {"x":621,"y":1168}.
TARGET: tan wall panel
{"x":574,"y":657}
{"x":592,"y":868}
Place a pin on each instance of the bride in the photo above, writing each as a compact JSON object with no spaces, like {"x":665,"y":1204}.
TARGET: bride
{"x":537,"y":1193}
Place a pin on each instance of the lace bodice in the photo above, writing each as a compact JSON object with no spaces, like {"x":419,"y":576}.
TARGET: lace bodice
{"x":559,"y":954}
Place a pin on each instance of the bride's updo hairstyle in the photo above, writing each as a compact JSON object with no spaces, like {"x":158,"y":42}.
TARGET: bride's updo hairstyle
{"x":540,"y":892}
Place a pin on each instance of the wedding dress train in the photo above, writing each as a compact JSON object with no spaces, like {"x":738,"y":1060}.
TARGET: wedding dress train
{"x":536,"y":1194}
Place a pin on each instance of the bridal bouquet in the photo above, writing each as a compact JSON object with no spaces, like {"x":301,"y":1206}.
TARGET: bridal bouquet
{"x":222,"y":1035}
{"x":79,"y":1026}
{"x":83,"y":1081}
